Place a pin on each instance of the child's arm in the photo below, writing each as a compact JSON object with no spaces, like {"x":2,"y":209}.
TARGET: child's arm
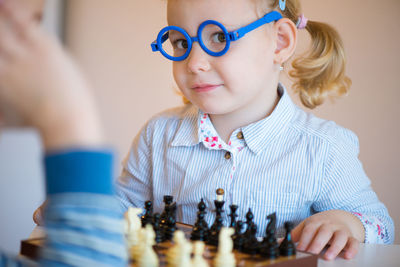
{"x":348,"y":209}
{"x":82,"y":219}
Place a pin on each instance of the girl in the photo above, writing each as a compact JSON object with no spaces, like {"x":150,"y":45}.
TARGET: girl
{"x":241,"y":132}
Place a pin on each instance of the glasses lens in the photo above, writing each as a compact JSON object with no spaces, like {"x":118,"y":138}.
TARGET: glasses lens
{"x":213,"y":38}
{"x":175,"y":43}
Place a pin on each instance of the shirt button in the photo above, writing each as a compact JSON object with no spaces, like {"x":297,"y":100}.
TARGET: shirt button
{"x":228,"y":155}
{"x":239,"y":135}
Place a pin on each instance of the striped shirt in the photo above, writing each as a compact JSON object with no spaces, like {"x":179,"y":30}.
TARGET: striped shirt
{"x":290,"y":162}
{"x":83,"y":222}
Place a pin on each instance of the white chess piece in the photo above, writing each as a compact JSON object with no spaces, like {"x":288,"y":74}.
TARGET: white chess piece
{"x":133,"y":226}
{"x":225,"y":256}
{"x":198,"y":259}
{"x":136,"y":251}
{"x":148,"y":257}
{"x":179,"y":254}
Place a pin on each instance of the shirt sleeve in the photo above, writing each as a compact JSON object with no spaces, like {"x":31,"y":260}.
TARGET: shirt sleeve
{"x":134,"y":184}
{"x":345,"y":186}
{"x":83,"y":222}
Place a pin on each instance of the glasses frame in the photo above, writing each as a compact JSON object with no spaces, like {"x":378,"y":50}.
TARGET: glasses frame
{"x":163,"y":35}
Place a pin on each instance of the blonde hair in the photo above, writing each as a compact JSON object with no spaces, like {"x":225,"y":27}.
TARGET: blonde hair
{"x":320,"y":72}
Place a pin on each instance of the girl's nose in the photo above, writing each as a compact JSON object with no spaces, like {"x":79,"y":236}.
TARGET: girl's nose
{"x":197,"y":60}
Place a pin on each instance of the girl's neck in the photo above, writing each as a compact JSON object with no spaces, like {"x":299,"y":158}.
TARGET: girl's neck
{"x":226,"y":124}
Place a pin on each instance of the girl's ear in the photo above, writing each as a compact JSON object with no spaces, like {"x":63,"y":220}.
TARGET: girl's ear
{"x":286,"y":40}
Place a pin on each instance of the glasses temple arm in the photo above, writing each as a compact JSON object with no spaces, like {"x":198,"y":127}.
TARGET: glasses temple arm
{"x":272,"y":16}
{"x":154,"y":45}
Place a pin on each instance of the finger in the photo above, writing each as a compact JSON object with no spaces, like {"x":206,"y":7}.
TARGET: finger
{"x":307,"y":235}
{"x":351,"y":248}
{"x":324,"y":234}
{"x":9,"y":42}
{"x":38,"y":217}
{"x":338,"y":242}
{"x":296,"y":232}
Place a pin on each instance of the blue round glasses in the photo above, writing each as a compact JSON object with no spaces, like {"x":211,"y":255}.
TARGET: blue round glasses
{"x":175,"y":43}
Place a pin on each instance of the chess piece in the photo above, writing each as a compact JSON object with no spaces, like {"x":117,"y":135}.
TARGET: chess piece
{"x":225,"y":256}
{"x":198,"y":259}
{"x":169,"y":227}
{"x":249,"y":223}
{"x":251,"y":245}
{"x":136,"y":250}
{"x":133,"y":226}
{"x":167,"y":206}
{"x":287,"y":247}
{"x":148,"y":215}
{"x":218,"y":223}
{"x":238,"y":237}
{"x":179,"y":254}
{"x":168,"y":218}
{"x":148,"y":257}
{"x":157,"y":228}
{"x":269,"y":246}
{"x":200,"y":228}
{"x":233,"y":215}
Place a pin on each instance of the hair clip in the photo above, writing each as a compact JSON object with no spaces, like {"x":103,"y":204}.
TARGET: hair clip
{"x":282,"y":4}
{"x":301,"y":22}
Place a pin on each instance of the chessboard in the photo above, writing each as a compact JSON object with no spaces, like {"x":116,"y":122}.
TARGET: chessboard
{"x":31,"y":247}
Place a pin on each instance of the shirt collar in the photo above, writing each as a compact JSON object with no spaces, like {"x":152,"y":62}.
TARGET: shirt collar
{"x":187,"y":133}
{"x":260,"y":134}
{"x":257,"y":135}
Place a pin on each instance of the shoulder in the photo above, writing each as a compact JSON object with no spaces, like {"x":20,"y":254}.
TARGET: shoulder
{"x":167,"y":122}
{"x":326,"y":131}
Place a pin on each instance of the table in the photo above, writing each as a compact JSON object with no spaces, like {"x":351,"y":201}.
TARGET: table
{"x":369,"y":255}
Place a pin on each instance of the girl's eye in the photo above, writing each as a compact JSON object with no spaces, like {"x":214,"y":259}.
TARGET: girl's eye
{"x":219,"y":37}
{"x":181,"y":44}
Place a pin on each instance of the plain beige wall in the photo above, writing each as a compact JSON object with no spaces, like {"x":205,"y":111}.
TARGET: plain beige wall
{"x":111,"y":40}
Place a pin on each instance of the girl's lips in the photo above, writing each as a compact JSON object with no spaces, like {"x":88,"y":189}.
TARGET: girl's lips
{"x":205,"y":87}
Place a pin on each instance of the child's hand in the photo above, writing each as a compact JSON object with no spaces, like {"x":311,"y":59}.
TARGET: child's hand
{"x":38,"y":214}
{"x":340,"y":229}
{"x":41,"y":85}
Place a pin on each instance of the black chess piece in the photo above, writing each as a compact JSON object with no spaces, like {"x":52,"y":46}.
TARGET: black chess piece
{"x":167,"y":203}
{"x":251,"y":244}
{"x":233,"y":215}
{"x":218,"y":223}
{"x":287,"y":247}
{"x":269,"y":247}
{"x":170,"y":227}
{"x":157,"y":229}
{"x":147,"y":217}
{"x":200,"y":229}
{"x":249,"y":223}
{"x":168,"y":218}
{"x":238,"y":236}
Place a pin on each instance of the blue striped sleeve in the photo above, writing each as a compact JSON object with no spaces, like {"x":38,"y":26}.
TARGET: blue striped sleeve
{"x":83,"y":221}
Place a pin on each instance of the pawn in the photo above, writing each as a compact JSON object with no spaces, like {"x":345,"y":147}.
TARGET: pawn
{"x":157,"y":228}
{"x":169,"y":228}
{"x":249,"y":223}
{"x":251,"y":244}
{"x":179,"y":254}
{"x":132,"y":226}
{"x":287,"y":247}
{"x":233,"y":215}
{"x":214,"y":231}
{"x":238,"y":237}
{"x":198,"y":251}
{"x":148,"y":257}
{"x":200,"y":228}
{"x":148,"y":215}
{"x":225,"y":256}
